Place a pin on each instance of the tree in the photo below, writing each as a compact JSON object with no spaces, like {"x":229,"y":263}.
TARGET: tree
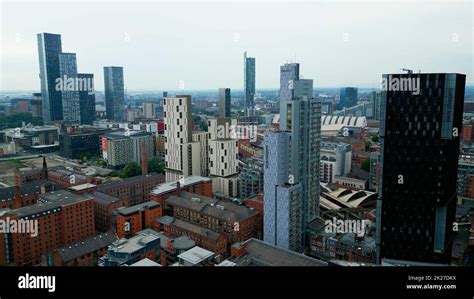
{"x":114,"y":174}
{"x":375,"y":138}
{"x":365,"y":165}
{"x":155,"y":165}
{"x":367,"y":145}
{"x":131,"y":169}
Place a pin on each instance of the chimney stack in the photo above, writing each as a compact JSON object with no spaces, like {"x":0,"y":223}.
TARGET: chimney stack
{"x":144,"y":160}
{"x":45,"y":169}
{"x":178,"y":188}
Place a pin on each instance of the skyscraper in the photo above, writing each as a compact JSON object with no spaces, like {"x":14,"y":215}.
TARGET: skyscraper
{"x":419,"y":133}
{"x":289,"y":73}
{"x":114,"y":93}
{"x":69,"y":92}
{"x":347,"y":97}
{"x":49,"y":48}
{"x":249,"y":85}
{"x":375,"y":99}
{"x":87,"y":98}
{"x":282,"y":205}
{"x":224,"y":102}
{"x":295,"y":199}
{"x":304,"y":124}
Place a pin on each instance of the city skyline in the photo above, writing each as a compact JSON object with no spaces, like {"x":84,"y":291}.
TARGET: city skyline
{"x":195,"y":43}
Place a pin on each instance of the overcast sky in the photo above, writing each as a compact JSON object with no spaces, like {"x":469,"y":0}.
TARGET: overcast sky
{"x":202,"y":43}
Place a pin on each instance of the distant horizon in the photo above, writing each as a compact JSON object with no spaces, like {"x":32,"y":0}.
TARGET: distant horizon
{"x":336,"y":43}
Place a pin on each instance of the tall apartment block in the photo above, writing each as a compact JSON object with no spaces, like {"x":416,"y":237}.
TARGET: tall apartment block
{"x":223,"y":156}
{"x":375,"y":101}
{"x":87,"y":99}
{"x":303,"y":121}
{"x":282,"y":208}
{"x":347,"y":97}
{"x":224,"y":102}
{"x":249,"y":85}
{"x":149,"y":108}
{"x":122,"y":147}
{"x":203,"y":139}
{"x":420,"y":134}
{"x":49,"y":48}
{"x":114,"y":93}
{"x":182,"y":154}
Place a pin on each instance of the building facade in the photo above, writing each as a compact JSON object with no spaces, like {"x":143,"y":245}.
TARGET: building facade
{"x":418,"y":167}
{"x":114,"y":93}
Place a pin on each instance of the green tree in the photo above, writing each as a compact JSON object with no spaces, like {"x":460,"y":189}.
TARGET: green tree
{"x":131,"y":169}
{"x":114,"y":174}
{"x":367,"y":145}
{"x":375,"y":138}
{"x":365,"y":165}
{"x":15,"y":120}
{"x":155,"y":165}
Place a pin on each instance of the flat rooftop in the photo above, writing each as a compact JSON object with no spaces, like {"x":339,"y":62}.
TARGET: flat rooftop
{"x":140,"y":207}
{"x":196,"y":255}
{"x":171,"y":186}
{"x":260,"y":253}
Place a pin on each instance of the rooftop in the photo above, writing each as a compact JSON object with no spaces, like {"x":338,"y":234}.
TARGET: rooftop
{"x":171,"y":186}
{"x":125,"y":211}
{"x":103,"y":198}
{"x":196,"y":255}
{"x":82,"y":187}
{"x":260,"y":253}
{"x":219,"y":209}
{"x":135,"y":243}
{"x":167,"y":220}
{"x":86,"y":246}
{"x":26,"y":188}
{"x":145,"y":263}
{"x":48,"y":203}
{"x":128,"y":181}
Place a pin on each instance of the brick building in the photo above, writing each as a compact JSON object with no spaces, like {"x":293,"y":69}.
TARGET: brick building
{"x":237,"y":223}
{"x":135,"y":189}
{"x":17,"y":197}
{"x":133,"y":219}
{"x":62,"y":218}
{"x":68,"y":178}
{"x":203,"y":237}
{"x":83,"y":253}
{"x":104,"y":206}
{"x":193,"y":184}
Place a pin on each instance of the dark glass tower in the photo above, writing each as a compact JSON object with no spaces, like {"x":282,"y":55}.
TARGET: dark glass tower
{"x":347,"y":97}
{"x":224,"y":102}
{"x":49,"y":48}
{"x":249,"y":84}
{"x":87,"y":99}
{"x":419,"y":133}
{"x":114,"y":93}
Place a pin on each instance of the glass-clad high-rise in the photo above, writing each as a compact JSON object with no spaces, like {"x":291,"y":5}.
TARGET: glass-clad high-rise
{"x":114,"y":93}
{"x":49,"y":48}
{"x":419,"y":134}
